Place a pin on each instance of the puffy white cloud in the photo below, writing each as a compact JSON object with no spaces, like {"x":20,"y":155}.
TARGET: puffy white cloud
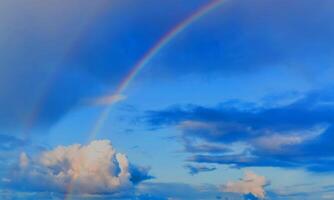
{"x":95,"y":168}
{"x":251,"y":183}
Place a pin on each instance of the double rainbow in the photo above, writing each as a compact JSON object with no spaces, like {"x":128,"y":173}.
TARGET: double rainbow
{"x":142,"y":62}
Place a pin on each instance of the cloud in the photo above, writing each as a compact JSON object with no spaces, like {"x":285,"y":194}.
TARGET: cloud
{"x":289,"y":135}
{"x":194,"y":146}
{"x":95,"y":168}
{"x":251,"y":183}
{"x":195,"y":169}
{"x":139,"y":173}
{"x":276,"y":142}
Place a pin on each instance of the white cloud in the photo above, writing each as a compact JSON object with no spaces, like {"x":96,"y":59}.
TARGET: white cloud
{"x":95,"y":168}
{"x":251,"y":183}
{"x":277,"y":141}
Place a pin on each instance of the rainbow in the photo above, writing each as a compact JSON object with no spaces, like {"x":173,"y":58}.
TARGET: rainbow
{"x":142,"y":62}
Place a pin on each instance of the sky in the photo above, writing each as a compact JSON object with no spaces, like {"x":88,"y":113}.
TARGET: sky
{"x":166,"y":100}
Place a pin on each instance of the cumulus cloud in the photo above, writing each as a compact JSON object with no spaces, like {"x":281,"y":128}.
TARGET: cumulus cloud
{"x":250,"y":184}
{"x":95,"y":168}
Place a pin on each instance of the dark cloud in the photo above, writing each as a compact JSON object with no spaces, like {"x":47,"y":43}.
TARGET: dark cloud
{"x":298,"y":134}
{"x":139,"y":174}
{"x":195,"y":169}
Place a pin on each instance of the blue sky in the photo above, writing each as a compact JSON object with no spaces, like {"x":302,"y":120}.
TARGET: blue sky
{"x":238,"y":105}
